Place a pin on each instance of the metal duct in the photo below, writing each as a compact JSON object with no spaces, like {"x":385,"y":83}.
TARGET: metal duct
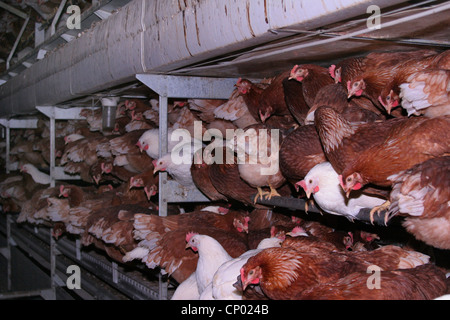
{"x":150,"y":36}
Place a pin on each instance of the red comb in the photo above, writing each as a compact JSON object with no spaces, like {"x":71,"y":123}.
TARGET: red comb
{"x":302,"y":184}
{"x":239,"y":81}
{"x":298,"y":229}
{"x":189,"y":235}
{"x":294,"y":68}
{"x":331,"y":70}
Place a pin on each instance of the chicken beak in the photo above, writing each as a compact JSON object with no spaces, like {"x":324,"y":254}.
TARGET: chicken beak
{"x":347,"y":193}
{"x":139,"y":146}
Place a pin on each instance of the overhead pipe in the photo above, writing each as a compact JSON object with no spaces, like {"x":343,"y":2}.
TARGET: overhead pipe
{"x":149,"y":36}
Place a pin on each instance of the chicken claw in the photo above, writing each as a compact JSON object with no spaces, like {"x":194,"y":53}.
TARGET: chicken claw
{"x":273,"y":193}
{"x":378,"y":210}
{"x":260,"y":195}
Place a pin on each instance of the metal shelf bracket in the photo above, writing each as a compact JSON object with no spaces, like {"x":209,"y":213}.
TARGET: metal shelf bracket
{"x":180,"y":87}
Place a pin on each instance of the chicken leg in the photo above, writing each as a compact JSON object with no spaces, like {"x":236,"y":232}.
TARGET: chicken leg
{"x":260,"y":194}
{"x":273,"y":193}
{"x":378,"y":210}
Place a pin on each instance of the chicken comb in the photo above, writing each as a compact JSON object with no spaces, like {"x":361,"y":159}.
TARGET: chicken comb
{"x":295,"y":68}
{"x":296,"y":220}
{"x":302,"y":184}
{"x":61,"y":189}
{"x":331,"y":70}
{"x":239,"y":80}
{"x":189,"y":235}
{"x":297,"y":230}
{"x":272,"y":231}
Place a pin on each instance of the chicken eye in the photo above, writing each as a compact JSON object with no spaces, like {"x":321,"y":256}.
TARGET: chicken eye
{"x":310,"y":181}
{"x":356,"y":84}
{"x":349,"y":179}
{"x":251,"y":272}
{"x":388,"y":98}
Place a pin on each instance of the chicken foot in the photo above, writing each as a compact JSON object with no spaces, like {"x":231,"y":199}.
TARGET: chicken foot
{"x":260,"y":194}
{"x":378,"y":210}
{"x":273,"y":193}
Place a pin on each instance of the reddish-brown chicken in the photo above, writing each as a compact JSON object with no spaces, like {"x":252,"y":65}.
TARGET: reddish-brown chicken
{"x":295,"y":102}
{"x":346,"y":69}
{"x":272,"y":99}
{"x":111,"y":229}
{"x":251,"y":93}
{"x":421,"y":283}
{"x":284,"y":273}
{"x":427,"y":93}
{"x":163,"y":238}
{"x":313,"y":78}
{"x":412,"y":141}
{"x":343,"y":141}
{"x":200,"y":176}
{"x":300,"y":151}
{"x":421,"y":194}
{"x":359,"y":109}
{"x":226,"y":179}
{"x":266,"y":102}
{"x":147,"y":180}
{"x":390,"y":95}
{"x":378,"y":70}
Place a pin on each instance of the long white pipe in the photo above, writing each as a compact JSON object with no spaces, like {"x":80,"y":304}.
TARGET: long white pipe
{"x":437,"y":9}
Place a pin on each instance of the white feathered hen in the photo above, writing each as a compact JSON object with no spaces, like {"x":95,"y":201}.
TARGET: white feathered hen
{"x":211,"y":255}
{"x":222,"y":284}
{"x":178,"y":163}
{"x":322,"y":181}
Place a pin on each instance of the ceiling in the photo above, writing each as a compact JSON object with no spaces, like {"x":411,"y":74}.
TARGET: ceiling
{"x":183,"y":45}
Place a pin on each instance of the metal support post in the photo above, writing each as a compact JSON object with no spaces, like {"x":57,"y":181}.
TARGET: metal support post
{"x":8,"y":148}
{"x":52,"y":151}
{"x":8,"y":252}
{"x":179,"y":87}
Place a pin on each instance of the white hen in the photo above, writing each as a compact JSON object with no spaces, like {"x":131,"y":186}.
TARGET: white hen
{"x":322,"y":181}
{"x":211,"y":255}
{"x":223,"y":280}
{"x":187,"y":290}
{"x":149,"y":142}
{"x":38,"y":176}
{"x":178,"y":162}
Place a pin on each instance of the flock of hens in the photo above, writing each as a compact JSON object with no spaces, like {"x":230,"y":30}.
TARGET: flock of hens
{"x":369,"y":132}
